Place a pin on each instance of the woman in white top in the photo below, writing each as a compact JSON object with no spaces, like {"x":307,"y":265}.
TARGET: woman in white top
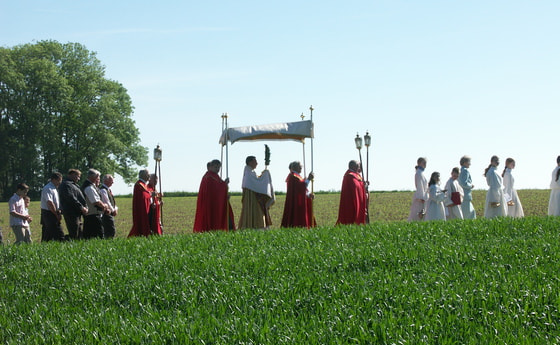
{"x":554,"y":202}
{"x":435,"y":209}
{"x":495,"y":200}
{"x":417,"y":209}
{"x":454,"y":196}
{"x":514,"y":207}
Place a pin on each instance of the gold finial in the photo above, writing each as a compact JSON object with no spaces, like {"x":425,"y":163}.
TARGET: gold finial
{"x":302,"y":116}
{"x":311,"y":108}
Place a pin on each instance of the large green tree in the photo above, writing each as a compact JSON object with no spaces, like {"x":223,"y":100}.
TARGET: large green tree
{"x":58,"y":111}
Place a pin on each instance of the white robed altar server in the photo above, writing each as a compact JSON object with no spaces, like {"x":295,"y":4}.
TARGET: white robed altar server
{"x":554,"y":202}
{"x":495,"y":205}
{"x":465,"y":181}
{"x":435,"y":210}
{"x":514,"y":207}
{"x":452,"y":191}
{"x":417,"y":209}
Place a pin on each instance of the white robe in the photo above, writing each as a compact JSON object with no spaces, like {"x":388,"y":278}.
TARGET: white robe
{"x":515,"y":209}
{"x":420,"y":195}
{"x":435,"y":209}
{"x":554,"y":202}
{"x":259,"y":184}
{"x":495,"y":195}
{"x":465,"y":182}
{"x":453,"y":211}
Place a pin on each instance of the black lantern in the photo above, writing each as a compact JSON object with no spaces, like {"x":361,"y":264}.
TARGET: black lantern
{"x":358,"y":141}
{"x":157,"y":154}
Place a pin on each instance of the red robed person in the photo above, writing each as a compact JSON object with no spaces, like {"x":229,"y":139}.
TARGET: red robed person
{"x":298,"y":209}
{"x":353,"y":197}
{"x":213,"y":210}
{"x":141,"y":206}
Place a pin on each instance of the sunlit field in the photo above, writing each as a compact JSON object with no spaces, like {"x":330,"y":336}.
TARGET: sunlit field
{"x":389,"y":282}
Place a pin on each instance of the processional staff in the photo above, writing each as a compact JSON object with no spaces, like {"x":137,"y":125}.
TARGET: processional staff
{"x":226,"y":139}
{"x":157,"y":157}
{"x":358,"y":142}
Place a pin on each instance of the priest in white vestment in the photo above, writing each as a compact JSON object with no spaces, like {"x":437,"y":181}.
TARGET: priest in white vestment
{"x":258,"y":197}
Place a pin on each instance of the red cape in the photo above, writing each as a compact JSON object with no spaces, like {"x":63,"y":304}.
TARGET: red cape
{"x":298,"y":209}
{"x":155,"y":224}
{"x":353,"y":200}
{"x":213,"y":211}
{"x":140,"y":210}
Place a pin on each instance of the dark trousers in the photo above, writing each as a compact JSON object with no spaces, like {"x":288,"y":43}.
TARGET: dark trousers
{"x":93,"y":227}
{"x":51,"y":229}
{"x":74,"y":225}
{"x":108,"y":226}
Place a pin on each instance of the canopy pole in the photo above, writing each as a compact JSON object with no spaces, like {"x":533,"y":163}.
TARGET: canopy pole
{"x":222,"y":151}
{"x":227,"y":147}
{"x":313,"y":134}
{"x":303,"y":148}
{"x":304,"y":165}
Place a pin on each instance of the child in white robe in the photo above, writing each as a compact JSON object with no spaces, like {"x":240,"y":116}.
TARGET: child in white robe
{"x":495,"y":200}
{"x":554,"y":201}
{"x":452,"y":187}
{"x":435,"y":209}
{"x":514,"y":207}
{"x":417,"y":208}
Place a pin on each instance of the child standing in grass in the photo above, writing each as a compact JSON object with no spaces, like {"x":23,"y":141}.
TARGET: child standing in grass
{"x":453,"y":196}
{"x":495,"y":198}
{"x":435,"y":209}
{"x":514,"y":207}
{"x":19,"y":215}
{"x":554,"y":201}
{"x":417,"y":208}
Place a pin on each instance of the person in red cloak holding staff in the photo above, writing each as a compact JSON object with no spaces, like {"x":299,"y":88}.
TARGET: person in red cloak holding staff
{"x":298,"y":209}
{"x":213,"y":210}
{"x":353,"y":197}
{"x":141,"y":201}
{"x":155,"y":206}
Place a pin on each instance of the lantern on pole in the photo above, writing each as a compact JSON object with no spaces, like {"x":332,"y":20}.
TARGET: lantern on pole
{"x":367,"y":143}
{"x":157,"y":157}
{"x":358,"y":141}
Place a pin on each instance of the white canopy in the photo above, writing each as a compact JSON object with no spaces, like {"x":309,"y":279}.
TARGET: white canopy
{"x":297,"y":131}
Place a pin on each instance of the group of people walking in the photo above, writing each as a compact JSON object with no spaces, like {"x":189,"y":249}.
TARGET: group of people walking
{"x":430,"y":202}
{"x":89,"y":210}
{"x":214,"y":211}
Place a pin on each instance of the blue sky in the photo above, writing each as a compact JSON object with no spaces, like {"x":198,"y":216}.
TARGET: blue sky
{"x":438,"y":79}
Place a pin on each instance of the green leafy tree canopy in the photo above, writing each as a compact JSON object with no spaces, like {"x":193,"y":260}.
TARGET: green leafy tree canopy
{"x":58,"y":111}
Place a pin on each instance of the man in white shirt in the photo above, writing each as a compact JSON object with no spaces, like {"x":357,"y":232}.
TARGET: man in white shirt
{"x":50,"y":210}
{"x":93,"y":226}
{"x":107,"y":197}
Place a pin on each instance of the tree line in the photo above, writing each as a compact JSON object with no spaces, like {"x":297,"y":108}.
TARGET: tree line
{"x":59,"y":111}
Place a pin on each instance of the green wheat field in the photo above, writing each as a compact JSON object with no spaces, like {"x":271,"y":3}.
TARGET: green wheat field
{"x":389,"y":282}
